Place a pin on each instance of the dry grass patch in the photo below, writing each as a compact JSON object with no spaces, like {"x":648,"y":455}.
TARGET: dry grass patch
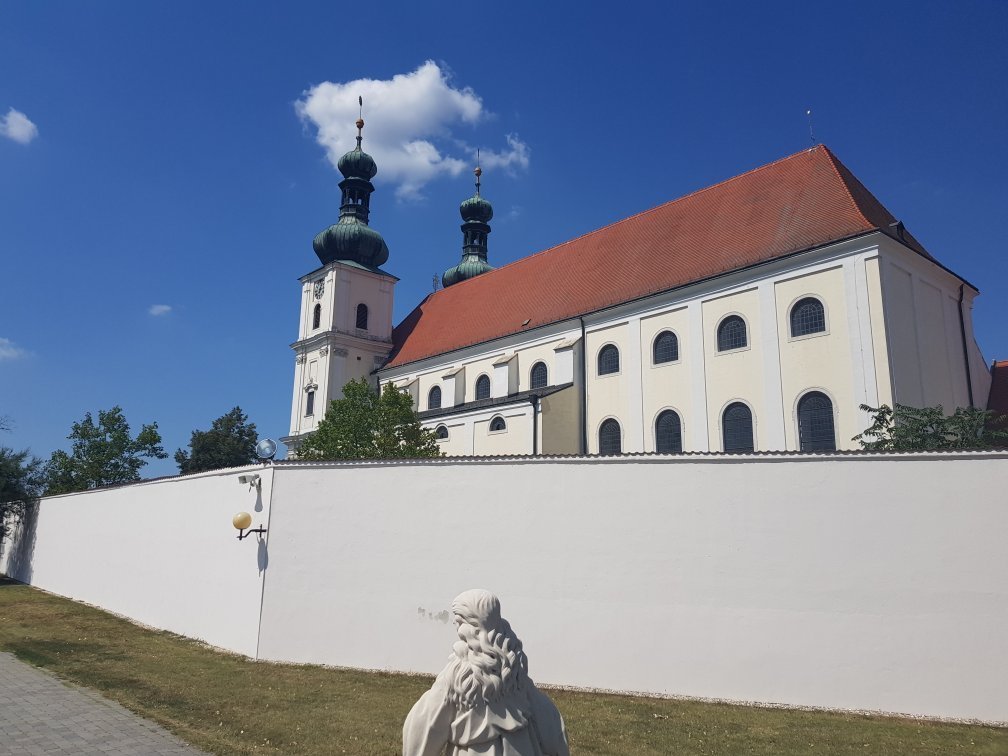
{"x":227,"y":704}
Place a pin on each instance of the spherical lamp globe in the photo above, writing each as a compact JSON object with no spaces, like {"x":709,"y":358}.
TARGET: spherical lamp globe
{"x":242,"y":520}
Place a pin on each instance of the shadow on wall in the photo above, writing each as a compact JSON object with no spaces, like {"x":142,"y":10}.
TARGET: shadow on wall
{"x":263,"y":555}
{"x":19,"y":548}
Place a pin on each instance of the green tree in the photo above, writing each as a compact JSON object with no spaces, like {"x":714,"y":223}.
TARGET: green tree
{"x":230,"y":442}
{"x":929,"y":428}
{"x":103,"y":454}
{"x":366,"y":425}
{"x":21,"y":482}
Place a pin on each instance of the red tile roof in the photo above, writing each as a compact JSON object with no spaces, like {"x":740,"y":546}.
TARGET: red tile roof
{"x":794,"y":204}
{"x":998,"y":399}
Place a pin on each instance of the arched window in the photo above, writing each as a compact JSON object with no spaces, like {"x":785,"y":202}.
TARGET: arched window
{"x":666,"y":348}
{"x":736,"y":428}
{"x":608,"y":360}
{"x":434,"y":398}
{"x":498,"y":424}
{"x":610,"y":437}
{"x":310,"y":404}
{"x":483,"y":387}
{"x":815,"y":422}
{"x":668,"y":433}
{"x":731,"y":334}
{"x":807,"y":316}
{"x":539,"y":376}
{"x":317,"y":316}
{"x":441,"y":433}
{"x":362,"y":316}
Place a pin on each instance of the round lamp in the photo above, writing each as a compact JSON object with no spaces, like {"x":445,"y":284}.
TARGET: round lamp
{"x":241,"y":520}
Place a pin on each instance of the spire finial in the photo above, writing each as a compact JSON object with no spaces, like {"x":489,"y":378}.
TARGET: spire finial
{"x":478,"y":172}
{"x":360,"y":120}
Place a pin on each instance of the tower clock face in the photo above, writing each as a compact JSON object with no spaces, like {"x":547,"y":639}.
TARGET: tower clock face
{"x":319,"y":289}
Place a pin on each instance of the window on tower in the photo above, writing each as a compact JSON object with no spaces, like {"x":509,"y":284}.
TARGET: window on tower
{"x":362,"y":316}
{"x":310,"y":404}
{"x":317,"y":316}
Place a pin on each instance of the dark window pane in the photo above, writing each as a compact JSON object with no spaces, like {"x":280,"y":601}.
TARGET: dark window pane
{"x":668,"y":433}
{"x":737,"y":428}
{"x":666,"y":348}
{"x":731,"y":334}
{"x":310,"y":404}
{"x":483,"y":387}
{"x":434,"y":398}
{"x":362,"y":316}
{"x":498,"y":424}
{"x":317,"y":316}
{"x":610,"y":439}
{"x":807,"y":316}
{"x":441,"y":432}
{"x":540,"y":378}
{"x":815,"y":422}
{"x":608,"y":360}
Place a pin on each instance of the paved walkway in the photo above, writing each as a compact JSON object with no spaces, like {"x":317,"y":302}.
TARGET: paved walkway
{"x":39,"y":714}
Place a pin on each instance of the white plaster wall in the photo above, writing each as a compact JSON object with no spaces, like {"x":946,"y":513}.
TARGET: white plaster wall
{"x":858,"y":582}
{"x":162,"y":553}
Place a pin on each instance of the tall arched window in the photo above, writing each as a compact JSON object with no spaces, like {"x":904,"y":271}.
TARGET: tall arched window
{"x":731,"y":334}
{"x":317,"y":316}
{"x":737,"y":428}
{"x":666,"y":348}
{"x":668,"y":433}
{"x":362,"y":316}
{"x":539,"y":377}
{"x":483,"y":387}
{"x":310,"y":404}
{"x":434,"y":398}
{"x":610,"y":438}
{"x":815,"y":422}
{"x":807,"y":316}
{"x":441,"y":433}
{"x":608,"y":360}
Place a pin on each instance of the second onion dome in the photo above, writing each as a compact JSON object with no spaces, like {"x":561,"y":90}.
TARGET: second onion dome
{"x":476,"y":215}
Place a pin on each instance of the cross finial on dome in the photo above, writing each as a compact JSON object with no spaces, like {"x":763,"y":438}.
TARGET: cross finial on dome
{"x":360,"y":121}
{"x":478,"y":172}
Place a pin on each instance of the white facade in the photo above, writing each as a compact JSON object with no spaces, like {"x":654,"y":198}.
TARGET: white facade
{"x":892,"y":334}
{"x":331,"y":349}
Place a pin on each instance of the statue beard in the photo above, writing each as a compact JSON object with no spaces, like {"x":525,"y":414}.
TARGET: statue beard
{"x":487,"y":666}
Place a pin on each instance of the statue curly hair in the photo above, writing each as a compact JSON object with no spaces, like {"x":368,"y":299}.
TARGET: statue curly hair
{"x":488,"y":662}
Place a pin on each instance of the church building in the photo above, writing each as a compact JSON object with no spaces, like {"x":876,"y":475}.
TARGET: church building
{"x":757,"y":314}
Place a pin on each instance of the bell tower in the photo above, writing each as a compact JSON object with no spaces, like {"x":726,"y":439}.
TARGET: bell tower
{"x":345,"y":329}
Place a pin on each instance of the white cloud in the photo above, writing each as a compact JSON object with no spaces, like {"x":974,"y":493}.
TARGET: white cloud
{"x":159,"y":309}
{"x":10,"y":351}
{"x":409,"y":120}
{"x":17,"y":126}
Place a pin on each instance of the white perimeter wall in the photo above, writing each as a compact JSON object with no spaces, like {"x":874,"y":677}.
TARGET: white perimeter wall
{"x":163,"y":553}
{"x":856,"y":582}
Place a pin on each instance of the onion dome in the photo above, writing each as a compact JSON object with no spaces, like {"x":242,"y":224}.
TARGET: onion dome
{"x":351,"y":239}
{"x":476,"y":213}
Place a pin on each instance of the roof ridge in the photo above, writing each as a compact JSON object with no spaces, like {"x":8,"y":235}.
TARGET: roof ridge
{"x":694,"y":193}
{"x":835,"y":164}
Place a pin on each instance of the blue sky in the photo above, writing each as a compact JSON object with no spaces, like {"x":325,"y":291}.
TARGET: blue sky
{"x":165,"y":160}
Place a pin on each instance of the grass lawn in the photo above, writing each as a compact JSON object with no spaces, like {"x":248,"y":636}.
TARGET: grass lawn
{"x":230,"y":705}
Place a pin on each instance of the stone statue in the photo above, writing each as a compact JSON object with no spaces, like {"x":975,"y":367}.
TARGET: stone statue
{"x":483,"y":702}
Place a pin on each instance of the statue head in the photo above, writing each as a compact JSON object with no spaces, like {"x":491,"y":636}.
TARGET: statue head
{"x":488,"y":663}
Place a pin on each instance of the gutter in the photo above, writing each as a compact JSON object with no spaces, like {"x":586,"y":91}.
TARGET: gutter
{"x":962,"y":332}
{"x":534,"y":401}
{"x":584,"y":388}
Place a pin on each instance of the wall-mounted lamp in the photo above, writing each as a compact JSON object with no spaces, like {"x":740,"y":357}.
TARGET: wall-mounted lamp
{"x":252,"y":480}
{"x":242,"y":521}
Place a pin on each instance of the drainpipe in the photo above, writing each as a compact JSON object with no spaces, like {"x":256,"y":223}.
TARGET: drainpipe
{"x":584,"y":389}
{"x":962,"y":331}
{"x":534,"y":399}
